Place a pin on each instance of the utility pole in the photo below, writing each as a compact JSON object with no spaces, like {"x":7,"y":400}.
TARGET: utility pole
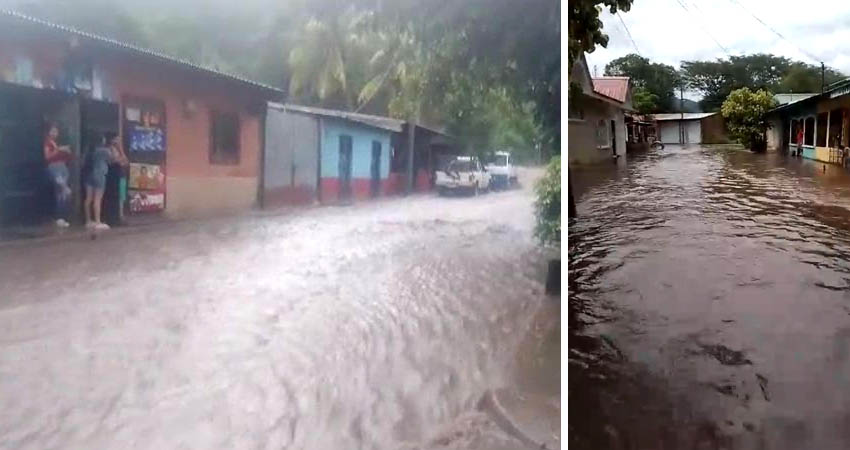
{"x":822,"y":77}
{"x":681,"y":113}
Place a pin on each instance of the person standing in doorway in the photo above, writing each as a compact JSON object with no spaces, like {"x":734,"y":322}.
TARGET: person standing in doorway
{"x":800,"y":141}
{"x":95,"y":182}
{"x":57,"y":157}
{"x":120,"y":165}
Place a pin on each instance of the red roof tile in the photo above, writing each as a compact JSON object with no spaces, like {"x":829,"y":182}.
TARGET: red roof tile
{"x":612,"y":87}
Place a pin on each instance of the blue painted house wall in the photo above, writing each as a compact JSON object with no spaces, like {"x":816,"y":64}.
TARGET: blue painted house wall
{"x":361,"y":148}
{"x":362,"y":137}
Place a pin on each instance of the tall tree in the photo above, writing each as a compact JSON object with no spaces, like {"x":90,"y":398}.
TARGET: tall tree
{"x":654,"y":83}
{"x":717,"y":79}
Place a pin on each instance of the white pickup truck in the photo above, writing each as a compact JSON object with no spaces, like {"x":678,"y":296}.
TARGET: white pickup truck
{"x":502,"y":171}
{"x":463,"y":173}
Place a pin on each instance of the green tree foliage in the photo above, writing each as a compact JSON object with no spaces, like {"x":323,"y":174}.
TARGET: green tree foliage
{"x":645,"y":102}
{"x":745,"y":112}
{"x":548,"y":204}
{"x":585,"y":28}
{"x":803,"y":78}
{"x":715,"y":80}
{"x":654,"y":83}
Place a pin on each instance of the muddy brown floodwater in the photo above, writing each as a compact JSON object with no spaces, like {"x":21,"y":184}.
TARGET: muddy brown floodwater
{"x":709,"y":303}
{"x":378,"y":326}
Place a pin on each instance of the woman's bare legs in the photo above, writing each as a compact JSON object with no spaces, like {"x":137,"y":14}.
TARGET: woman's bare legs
{"x":98,"y":199}
{"x":87,"y":205}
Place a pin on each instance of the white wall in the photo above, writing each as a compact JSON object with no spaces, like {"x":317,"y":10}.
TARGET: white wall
{"x":693,"y":132}
{"x":670,"y":131}
{"x":774,"y":134}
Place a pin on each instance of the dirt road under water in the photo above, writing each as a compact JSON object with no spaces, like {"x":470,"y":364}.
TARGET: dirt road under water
{"x":709,"y":303}
{"x":376,"y":326}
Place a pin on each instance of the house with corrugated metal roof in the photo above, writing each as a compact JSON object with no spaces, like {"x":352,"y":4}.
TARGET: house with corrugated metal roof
{"x":193,"y":134}
{"x":821,"y":120}
{"x":596,"y":117}
{"x":691,"y":128}
{"x":331,"y":156}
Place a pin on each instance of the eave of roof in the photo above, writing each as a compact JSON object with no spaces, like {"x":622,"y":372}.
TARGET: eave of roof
{"x":22,"y":18}
{"x":385,"y":123}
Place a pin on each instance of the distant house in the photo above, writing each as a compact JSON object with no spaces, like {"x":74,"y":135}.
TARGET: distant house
{"x":596,"y":118}
{"x":691,"y":128}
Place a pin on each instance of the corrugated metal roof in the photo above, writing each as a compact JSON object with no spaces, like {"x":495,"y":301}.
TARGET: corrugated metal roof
{"x":682,"y":116}
{"x":612,"y":87}
{"x":784,"y":99}
{"x":385,"y":123}
{"x":25,"y":19}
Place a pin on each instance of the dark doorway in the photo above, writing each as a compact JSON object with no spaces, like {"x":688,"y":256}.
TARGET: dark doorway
{"x":345,"y":168}
{"x":375,"y":186}
{"x":614,"y":137}
{"x":97,"y":119}
{"x":26,"y":193}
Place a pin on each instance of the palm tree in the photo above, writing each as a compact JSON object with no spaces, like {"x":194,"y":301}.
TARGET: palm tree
{"x":329,"y":58}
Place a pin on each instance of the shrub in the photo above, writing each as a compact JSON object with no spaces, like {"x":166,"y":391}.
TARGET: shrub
{"x":548,"y":204}
{"x":745,"y":112}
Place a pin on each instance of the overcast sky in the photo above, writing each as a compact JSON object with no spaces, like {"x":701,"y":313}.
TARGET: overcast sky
{"x":665,"y":32}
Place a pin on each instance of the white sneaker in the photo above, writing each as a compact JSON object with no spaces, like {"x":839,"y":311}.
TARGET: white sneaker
{"x":90,"y":224}
{"x":62,"y":223}
{"x":101,"y":226}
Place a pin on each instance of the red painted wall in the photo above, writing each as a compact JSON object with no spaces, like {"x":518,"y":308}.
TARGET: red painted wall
{"x":361,"y":189}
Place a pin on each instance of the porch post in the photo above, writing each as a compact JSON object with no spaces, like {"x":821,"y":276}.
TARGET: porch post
{"x":411,"y":142}
{"x":828,"y":114}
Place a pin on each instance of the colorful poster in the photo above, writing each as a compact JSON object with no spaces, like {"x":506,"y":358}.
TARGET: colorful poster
{"x":146,"y":139}
{"x":147,"y":177}
{"x":146,"y":201}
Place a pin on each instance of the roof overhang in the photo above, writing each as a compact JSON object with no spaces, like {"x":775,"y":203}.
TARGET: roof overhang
{"x":384,"y":123}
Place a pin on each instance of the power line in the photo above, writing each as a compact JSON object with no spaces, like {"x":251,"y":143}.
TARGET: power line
{"x":815,"y":58}
{"x":725,"y":50}
{"x":628,"y":32}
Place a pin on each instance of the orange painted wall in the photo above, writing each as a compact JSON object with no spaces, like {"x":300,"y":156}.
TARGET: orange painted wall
{"x":188,"y":135}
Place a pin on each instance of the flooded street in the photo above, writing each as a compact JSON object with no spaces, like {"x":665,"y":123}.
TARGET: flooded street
{"x":709,"y":303}
{"x":381,"y":325}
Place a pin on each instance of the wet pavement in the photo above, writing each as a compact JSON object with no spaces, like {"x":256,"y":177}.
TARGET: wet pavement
{"x":382,"y":325}
{"x":709,"y":303}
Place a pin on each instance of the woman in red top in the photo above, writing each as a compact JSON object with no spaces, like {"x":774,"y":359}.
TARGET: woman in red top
{"x":57,"y":157}
{"x":800,"y":141}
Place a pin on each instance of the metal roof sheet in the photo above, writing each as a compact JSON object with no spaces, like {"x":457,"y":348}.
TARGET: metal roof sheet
{"x":681,"y":116}
{"x":25,"y":19}
{"x":612,"y":87}
{"x":385,"y":123}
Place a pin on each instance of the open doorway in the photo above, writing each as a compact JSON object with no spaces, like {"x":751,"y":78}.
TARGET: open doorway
{"x":26,"y":193}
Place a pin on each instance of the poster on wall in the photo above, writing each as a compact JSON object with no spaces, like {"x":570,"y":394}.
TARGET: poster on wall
{"x":146,"y":201}
{"x":146,"y":139}
{"x":146,"y":177}
{"x":146,"y":142}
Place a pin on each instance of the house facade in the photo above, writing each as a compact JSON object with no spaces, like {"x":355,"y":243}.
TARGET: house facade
{"x":822,"y":118}
{"x":194,"y":136}
{"x":596,"y":120}
{"x":691,"y":128}
{"x":315,"y":154}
